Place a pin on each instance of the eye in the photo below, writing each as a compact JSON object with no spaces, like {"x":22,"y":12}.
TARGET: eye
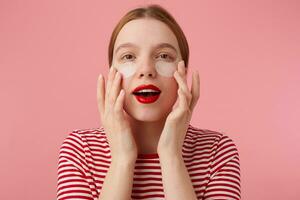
{"x":166,"y":56}
{"x":126,"y":57}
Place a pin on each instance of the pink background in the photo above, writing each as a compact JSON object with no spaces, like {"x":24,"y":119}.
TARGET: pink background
{"x":247,"y":53}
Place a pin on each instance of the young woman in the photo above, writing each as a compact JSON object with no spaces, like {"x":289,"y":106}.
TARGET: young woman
{"x":147,"y":148}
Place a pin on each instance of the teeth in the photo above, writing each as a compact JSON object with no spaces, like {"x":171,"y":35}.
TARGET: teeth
{"x":147,"y":90}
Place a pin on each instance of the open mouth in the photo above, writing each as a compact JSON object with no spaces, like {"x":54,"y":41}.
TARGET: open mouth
{"x":146,"y":94}
{"x":146,"y":97}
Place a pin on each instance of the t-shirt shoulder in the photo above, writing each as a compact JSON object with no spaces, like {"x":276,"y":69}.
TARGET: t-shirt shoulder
{"x":223,"y":149}
{"x":90,"y":135}
{"x":219,"y":137}
{"x":79,"y":143}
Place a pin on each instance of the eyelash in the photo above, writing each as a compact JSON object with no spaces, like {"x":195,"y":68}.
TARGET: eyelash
{"x":170,"y":57}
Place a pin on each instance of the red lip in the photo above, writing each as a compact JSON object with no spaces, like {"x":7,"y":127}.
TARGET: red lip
{"x":150,"y":86}
{"x":147,"y":100}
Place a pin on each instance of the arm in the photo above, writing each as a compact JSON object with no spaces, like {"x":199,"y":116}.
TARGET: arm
{"x":118,"y":181}
{"x":176,"y":180}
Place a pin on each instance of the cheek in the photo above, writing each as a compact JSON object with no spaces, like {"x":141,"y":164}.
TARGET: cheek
{"x":128,"y":95}
{"x":170,"y":89}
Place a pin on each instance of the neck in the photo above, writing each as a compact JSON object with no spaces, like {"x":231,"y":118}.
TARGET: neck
{"x":146,"y":134}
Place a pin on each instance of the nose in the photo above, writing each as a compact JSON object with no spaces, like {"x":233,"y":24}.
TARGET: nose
{"x":147,"y":69}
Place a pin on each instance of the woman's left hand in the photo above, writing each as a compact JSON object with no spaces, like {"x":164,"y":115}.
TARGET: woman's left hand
{"x":177,"y":122}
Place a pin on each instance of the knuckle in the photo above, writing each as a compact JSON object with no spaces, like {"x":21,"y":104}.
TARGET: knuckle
{"x":189,"y":95}
{"x":111,"y":100}
{"x":116,"y":110}
{"x":189,"y":111}
{"x":185,"y":110}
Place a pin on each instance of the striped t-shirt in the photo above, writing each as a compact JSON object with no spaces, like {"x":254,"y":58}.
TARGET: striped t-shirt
{"x":211,"y":159}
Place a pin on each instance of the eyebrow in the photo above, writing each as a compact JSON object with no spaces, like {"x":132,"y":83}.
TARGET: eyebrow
{"x":159,"y":46}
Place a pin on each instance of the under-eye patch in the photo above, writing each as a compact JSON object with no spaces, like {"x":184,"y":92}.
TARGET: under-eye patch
{"x":164,"y":68}
{"x":126,"y":69}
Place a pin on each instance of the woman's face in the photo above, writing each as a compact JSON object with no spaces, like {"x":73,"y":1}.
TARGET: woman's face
{"x":143,"y":61}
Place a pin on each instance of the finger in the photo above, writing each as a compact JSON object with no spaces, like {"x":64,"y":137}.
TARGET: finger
{"x":181,"y":81}
{"x":182,"y":70}
{"x":120,"y":102}
{"x":195,"y":90}
{"x":183,"y":85}
{"x":111,"y":76}
{"x":183,"y":104}
{"x":115,"y":89}
{"x":100,"y":93}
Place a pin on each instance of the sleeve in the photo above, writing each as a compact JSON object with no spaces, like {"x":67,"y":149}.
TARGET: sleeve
{"x":224,"y":182}
{"x":72,"y":182}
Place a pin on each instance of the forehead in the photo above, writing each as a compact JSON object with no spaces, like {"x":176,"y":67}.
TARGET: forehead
{"x":146,"y":33}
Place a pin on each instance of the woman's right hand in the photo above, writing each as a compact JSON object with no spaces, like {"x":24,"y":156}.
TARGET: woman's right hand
{"x":114,"y":121}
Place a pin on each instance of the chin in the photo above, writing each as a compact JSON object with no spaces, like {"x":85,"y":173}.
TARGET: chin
{"x":146,"y":115}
